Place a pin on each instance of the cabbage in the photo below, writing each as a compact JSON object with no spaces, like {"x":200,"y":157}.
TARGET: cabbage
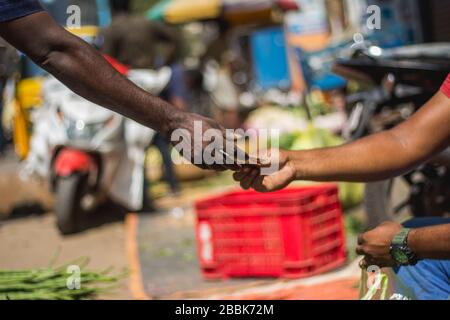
{"x":350,"y":194}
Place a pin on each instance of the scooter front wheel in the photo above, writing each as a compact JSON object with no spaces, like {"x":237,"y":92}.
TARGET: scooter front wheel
{"x":68,"y":202}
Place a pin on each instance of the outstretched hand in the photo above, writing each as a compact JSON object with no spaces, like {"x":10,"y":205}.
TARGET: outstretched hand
{"x":202,"y":141}
{"x":252,"y":177}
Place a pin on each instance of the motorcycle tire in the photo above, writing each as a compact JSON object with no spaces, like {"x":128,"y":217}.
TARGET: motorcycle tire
{"x":67,"y":203}
{"x":377,"y":203}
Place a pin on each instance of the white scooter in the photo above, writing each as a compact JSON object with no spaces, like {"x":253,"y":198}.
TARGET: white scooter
{"x":89,"y":152}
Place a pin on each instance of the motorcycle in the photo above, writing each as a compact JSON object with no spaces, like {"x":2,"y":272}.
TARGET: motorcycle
{"x":90,"y":153}
{"x":397,"y":82}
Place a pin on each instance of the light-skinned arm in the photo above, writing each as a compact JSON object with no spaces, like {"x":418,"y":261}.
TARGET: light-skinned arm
{"x":427,"y":243}
{"x":376,"y":157}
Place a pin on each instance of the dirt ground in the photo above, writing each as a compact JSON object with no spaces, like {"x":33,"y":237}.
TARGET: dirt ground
{"x":33,"y":242}
{"x":30,"y":240}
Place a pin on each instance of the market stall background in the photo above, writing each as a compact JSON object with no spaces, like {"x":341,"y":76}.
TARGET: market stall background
{"x":268,"y":65}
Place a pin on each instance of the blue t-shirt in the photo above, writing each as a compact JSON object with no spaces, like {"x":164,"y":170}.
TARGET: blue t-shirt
{"x":13,"y":9}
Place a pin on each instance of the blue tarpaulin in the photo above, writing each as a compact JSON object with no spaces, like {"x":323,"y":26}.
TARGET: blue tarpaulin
{"x":270,"y":59}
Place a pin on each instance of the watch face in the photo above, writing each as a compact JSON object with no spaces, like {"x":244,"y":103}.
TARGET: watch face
{"x":399,"y":256}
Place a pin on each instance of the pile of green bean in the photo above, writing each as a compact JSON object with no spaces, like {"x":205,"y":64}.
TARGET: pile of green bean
{"x":51,"y":284}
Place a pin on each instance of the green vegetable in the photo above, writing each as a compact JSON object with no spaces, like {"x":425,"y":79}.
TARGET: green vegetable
{"x":51,"y":284}
{"x":350,"y":194}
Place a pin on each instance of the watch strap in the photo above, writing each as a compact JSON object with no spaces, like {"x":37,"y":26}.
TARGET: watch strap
{"x":401,"y":242}
{"x":401,"y":237}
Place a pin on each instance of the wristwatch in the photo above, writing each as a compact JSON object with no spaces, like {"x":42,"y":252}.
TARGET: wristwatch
{"x":400,"y":251}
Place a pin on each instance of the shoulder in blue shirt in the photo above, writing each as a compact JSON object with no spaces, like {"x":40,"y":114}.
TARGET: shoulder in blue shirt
{"x":14,"y":9}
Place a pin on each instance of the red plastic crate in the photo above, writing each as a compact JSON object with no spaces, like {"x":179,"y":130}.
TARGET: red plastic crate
{"x":293,"y":233}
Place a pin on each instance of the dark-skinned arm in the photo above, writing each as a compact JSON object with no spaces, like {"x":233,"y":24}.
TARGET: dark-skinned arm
{"x":81,"y":68}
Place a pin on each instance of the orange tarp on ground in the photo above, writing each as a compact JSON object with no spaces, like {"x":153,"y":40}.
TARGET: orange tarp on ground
{"x":345,"y":289}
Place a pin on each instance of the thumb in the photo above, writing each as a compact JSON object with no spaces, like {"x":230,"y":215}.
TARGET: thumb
{"x":268,"y":157}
